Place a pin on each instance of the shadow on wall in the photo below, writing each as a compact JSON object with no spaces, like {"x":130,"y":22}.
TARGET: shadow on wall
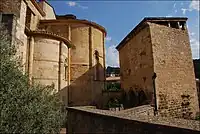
{"x":127,"y":99}
{"x":87,"y":88}
{"x":110,"y":95}
{"x":134,"y":98}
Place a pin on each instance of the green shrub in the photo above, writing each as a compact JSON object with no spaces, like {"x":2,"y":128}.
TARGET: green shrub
{"x":198,"y":118}
{"x":25,"y":108}
{"x":113,"y":103}
{"x":113,"y":86}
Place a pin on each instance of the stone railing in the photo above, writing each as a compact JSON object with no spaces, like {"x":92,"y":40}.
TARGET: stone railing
{"x":87,"y":120}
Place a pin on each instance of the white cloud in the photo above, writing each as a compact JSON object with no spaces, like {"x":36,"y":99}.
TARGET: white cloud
{"x":108,"y":38}
{"x":112,"y":56}
{"x":184,"y":10}
{"x":194,"y":43}
{"x":71,"y":3}
{"x":191,"y":34}
{"x":175,"y":11}
{"x":83,"y":7}
{"x":174,"y":5}
{"x":75,"y":4}
{"x":187,"y":26}
{"x":194,"y":5}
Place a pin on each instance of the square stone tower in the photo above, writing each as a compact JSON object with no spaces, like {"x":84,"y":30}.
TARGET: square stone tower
{"x":156,"y":60}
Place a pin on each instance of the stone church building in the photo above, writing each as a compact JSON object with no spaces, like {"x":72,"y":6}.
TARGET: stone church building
{"x":69,"y":54}
{"x":60,"y":50}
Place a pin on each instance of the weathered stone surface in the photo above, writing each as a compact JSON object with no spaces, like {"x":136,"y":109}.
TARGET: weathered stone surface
{"x":136,"y":64}
{"x":90,"y":120}
{"x":47,"y":62}
{"x":10,"y":6}
{"x":156,"y":47}
{"x":175,"y":82}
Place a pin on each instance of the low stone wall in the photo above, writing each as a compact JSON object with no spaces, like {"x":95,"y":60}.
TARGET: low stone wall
{"x":146,"y":110}
{"x":87,"y":120}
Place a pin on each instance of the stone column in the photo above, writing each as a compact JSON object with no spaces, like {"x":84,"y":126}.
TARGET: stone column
{"x":30,"y":61}
{"x":69,"y":55}
{"x":90,"y":47}
{"x":104,"y":62}
{"x":59,"y":65}
{"x":69,"y":66}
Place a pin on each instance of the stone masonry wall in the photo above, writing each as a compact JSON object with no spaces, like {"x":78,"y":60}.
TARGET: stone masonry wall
{"x":20,"y":36}
{"x":79,"y":88}
{"x":10,"y":6}
{"x":144,"y":110}
{"x":49,"y":11}
{"x":136,"y":63}
{"x":175,"y":83}
{"x":88,"y":120}
{"x":19,"y":8}
{"x":59,"y":29}
{"x":46,"y":62}
{"x":86,"y":39}
{"x":98,"y":45}
{"x":83,"y":89}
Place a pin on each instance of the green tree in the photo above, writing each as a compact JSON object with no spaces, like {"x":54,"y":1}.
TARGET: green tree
{"x":25,"y":108}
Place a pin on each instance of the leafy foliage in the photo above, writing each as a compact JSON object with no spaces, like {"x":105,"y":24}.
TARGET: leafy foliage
{"x":198,"y":118}
{"x":113,"y":103}
{"x":113,"y":86}
{"x":114,"y":70}
{"x":25,"y":108}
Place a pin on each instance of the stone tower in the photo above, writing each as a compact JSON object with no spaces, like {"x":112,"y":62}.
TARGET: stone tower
{"x":156,"y":62}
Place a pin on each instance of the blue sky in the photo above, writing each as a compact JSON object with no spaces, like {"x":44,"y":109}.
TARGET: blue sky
{"x":120,"y":17}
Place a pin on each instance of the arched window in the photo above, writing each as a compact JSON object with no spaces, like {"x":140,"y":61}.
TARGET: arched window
{"x":132,"y":98}
{"x":28,"y":17}
{"x":142,"y":97}
{"x":65,"y":68}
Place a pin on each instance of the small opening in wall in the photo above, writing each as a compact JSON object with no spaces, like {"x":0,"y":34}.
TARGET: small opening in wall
{"x":65,"y":68}
{"x":144,"y":79}
{"x":174,"y":24}
{"x":142,"y":53}
{"x":7,"y":20}
{"x":182,"y":25}
{"x":129,"y":71}
{"x":96,"y":53}
{"x":28,"y":18}
{"x":164,"y":23}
